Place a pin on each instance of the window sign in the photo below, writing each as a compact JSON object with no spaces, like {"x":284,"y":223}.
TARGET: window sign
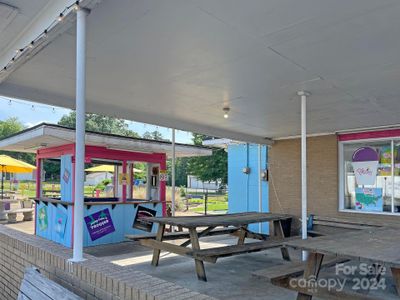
{"x":99,"y":224}
{"x":365,"y":164}
{"x":369,"y":199}
{"x":370,"y":179}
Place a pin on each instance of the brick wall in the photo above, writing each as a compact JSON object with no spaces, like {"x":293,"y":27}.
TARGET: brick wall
{"x":91,"y":279}
{"x":322,"y":174}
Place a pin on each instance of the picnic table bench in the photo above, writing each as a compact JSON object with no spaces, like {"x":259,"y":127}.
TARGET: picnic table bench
{"x":234,"y":223}
{"x":378,"y":246}
{"x":35,"y":286}
{"x":26,"y":209}
{"x":325,"y":225}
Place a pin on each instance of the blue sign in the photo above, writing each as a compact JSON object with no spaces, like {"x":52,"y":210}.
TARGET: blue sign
{"x":369,"y":199}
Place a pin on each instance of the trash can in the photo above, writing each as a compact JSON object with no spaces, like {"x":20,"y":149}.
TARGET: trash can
{"x":286,"y":226}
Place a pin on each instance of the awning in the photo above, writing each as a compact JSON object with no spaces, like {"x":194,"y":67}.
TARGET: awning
{"x":50,"y":135}
{"x":178,"y":63}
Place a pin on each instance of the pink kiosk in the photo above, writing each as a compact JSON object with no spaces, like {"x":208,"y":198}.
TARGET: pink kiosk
{"x":107,"y":219}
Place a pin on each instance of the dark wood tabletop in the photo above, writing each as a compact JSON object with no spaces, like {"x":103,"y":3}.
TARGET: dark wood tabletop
{"x":236,"y":219}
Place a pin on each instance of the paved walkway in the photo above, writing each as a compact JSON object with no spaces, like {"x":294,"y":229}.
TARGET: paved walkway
{"x":229,"y":278}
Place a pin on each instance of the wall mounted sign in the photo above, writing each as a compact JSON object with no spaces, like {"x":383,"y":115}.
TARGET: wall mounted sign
{"x":369,"y":199}
{"x":42,"y":217}
{"x":140,"y":222}
{"x":365,"y":165}
{"x":61,"y":222}
{"x":99,"y":224}
{"x":123,"y":178}
{"x":66,"y":175}
{"x":163,"y":175}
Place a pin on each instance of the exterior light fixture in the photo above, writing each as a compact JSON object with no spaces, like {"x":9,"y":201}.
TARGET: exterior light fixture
{"x":226,"y":112}
{"x":60,"y":17}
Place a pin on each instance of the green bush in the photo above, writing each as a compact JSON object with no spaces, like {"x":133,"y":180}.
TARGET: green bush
{"x":182,"y":191}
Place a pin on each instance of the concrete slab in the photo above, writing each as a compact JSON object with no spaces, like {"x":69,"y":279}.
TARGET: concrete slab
{"x":24,"y":226}
{"x":229,"y":278}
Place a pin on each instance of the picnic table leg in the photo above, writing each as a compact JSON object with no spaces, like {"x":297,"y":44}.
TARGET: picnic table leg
{"x":156,"y":252}
{"x":194,"y":239}
{"x":278,"y":232}
{"x":311,"y":271}
{"x":242,"y":235}
{"x":396,"y":278}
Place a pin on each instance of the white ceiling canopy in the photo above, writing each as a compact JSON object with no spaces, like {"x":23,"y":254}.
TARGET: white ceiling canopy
{"x":178,"y":63}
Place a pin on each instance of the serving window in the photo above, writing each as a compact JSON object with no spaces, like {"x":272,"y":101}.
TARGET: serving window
{"x":370,"y":176}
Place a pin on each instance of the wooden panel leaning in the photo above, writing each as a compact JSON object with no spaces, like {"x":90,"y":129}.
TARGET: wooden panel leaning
{"x":36,"y":286}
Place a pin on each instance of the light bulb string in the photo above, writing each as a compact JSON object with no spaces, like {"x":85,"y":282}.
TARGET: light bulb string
{"x":72,"y":7}
{"x":32,"y":106}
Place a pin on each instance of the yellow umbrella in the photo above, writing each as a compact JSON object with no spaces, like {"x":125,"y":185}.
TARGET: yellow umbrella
{"x":107,"y":168}
{"x":12,"y":165}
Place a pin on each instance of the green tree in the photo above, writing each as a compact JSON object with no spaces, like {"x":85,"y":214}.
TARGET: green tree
{"x":99,"y":123}
{"x":9,"y":127}
{"x":209,"y":168}
{"x":154,"y":135}
{"x":181,"y":171}
{"x":12,"y":126}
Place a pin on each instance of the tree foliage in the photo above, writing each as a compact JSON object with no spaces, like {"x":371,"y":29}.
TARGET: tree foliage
{"x":181,"y":171}
{"x":209,"y":168}
{"x":9,"y":127}
{"x":154,"y":135}
{"x":99,"y":123}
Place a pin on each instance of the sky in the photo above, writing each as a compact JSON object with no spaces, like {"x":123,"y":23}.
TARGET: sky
{"x":31,"y":113}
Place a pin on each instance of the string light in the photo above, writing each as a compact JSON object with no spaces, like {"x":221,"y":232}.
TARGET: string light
{"x":33,"y":107}
{"x":74,"y":7}
{"x":60,"y":17}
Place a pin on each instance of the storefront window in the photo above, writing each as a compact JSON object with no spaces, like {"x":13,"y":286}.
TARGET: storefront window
{"x":368,"y":177}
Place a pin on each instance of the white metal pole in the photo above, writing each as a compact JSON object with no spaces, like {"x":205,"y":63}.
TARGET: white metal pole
{"x":173,"y":174}
{"x":80,"y":133}
{"x":392,"y":162}
{"x":259,"y":187}
{"x":303,"y":95}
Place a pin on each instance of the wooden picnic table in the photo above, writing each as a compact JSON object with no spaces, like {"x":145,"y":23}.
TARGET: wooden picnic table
{"x":379,"y":247}
{"x":234,"y":223}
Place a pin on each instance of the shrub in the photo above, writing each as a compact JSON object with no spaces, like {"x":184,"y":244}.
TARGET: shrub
{"x":182,"y":191}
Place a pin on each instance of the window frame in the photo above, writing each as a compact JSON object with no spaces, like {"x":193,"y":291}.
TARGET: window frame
{"x":341,"y":166}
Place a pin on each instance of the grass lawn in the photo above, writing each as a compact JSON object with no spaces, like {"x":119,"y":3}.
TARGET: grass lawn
{"x":211,"y":207}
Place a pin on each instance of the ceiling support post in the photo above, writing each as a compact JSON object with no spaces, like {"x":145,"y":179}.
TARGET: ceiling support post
{"x":303,"y":97}
{"x":80,"y":134}
{"x":259,"y":186}
{"x":173,"y":162}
